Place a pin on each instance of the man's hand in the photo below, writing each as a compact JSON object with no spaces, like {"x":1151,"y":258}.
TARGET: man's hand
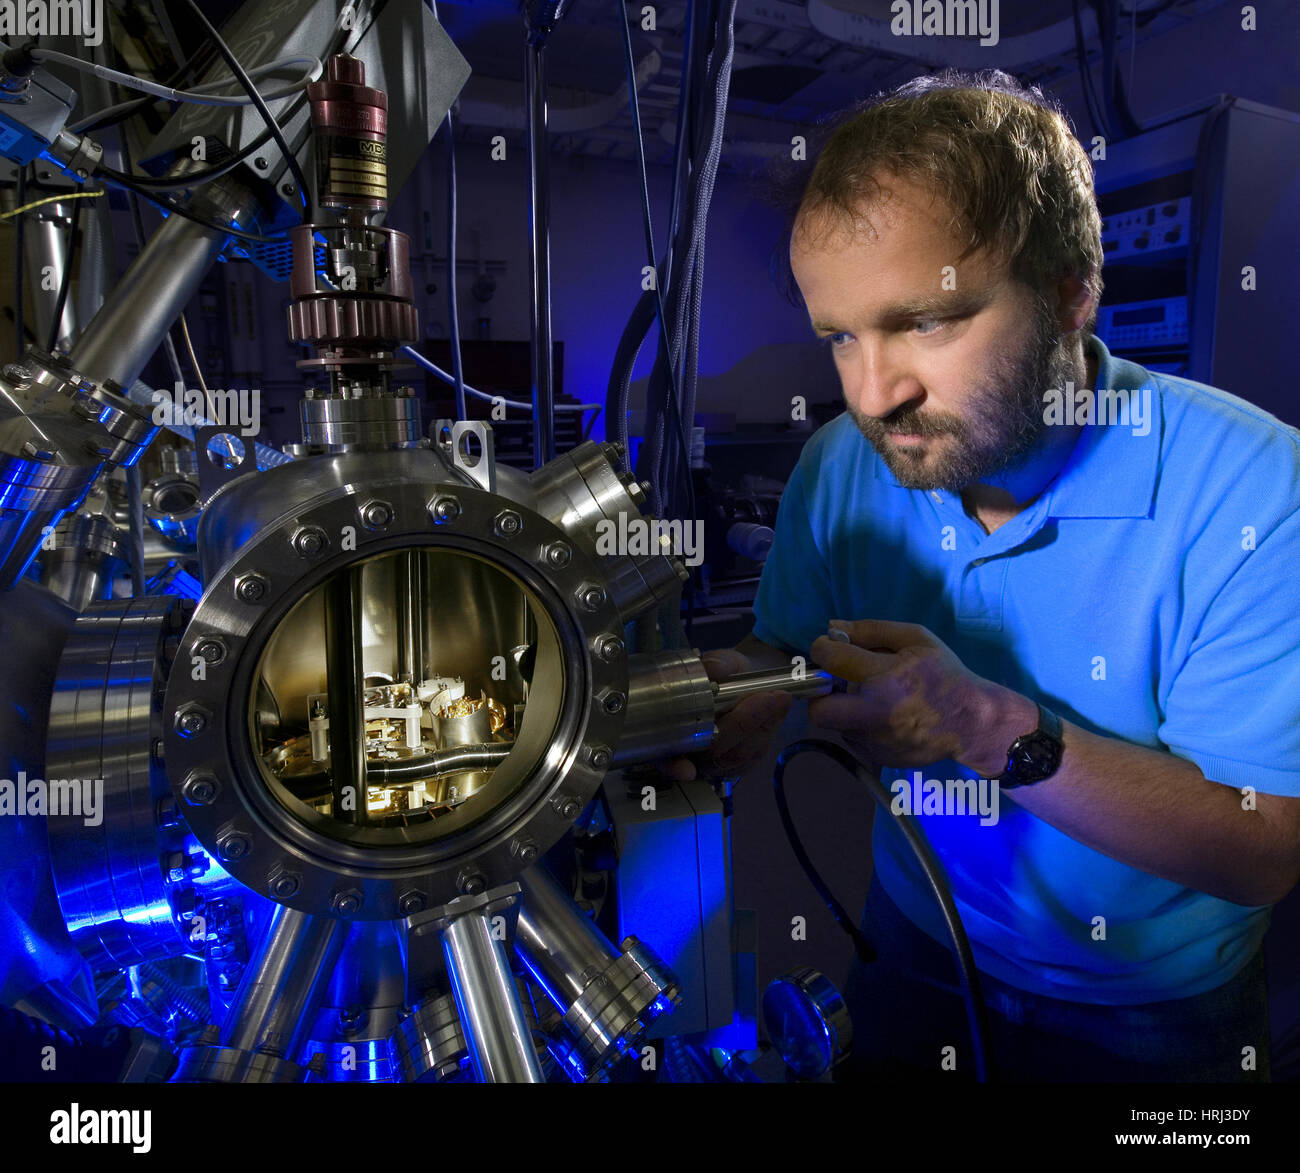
{"x":913,"y":702}
{"x":744,"y":733}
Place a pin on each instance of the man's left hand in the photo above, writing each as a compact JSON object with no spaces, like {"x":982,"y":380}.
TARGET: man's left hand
{"x":913,"y":702}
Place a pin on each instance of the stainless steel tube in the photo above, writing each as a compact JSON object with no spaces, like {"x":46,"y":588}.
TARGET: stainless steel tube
{"x":560,"y":946}
{"x":287,"y":976}
{"x":45,"y":245}
{"x":500,"y":1043}
{"x":727,"y":694}
{"x":409,"y":607}
{"x":344,"y":680}
{"x":119,"y":340}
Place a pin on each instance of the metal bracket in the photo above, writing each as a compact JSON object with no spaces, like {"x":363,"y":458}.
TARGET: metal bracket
{"x":467,"y":446}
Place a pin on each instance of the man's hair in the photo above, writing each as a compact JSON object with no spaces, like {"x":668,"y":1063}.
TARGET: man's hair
{"x":1002,"y":157}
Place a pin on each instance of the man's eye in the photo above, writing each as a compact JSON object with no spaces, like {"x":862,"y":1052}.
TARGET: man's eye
{"x":927,"y":325}
{"x":836,"y":341}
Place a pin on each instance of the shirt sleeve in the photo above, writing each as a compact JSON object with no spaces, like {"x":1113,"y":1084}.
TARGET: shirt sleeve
{"x":1234,"y":707}
{"x":794,"y":601}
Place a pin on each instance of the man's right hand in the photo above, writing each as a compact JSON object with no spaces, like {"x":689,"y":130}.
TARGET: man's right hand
{"x":744,"y":733}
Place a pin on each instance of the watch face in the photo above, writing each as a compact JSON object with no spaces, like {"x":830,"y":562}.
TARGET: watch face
{"x":1035,"y":756}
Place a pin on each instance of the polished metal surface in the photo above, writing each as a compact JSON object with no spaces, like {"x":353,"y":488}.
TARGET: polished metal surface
{"x":275,"y":1006}
{"x":670,"y":707}
{"x":500,"y":1040}
{"x":539,"y":256}
{"x":120,"y":904}
{"x":805,"y":684}
{"x":429,"y":1044}
{"x":87,"y":553}
{"x":560,"y":946}
{"x":259,"y":570}
{"x":119,"y":340}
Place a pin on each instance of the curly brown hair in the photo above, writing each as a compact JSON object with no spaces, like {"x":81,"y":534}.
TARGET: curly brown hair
{"x":1001,"y":156}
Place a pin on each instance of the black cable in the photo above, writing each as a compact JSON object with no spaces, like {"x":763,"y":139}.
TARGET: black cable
{"x":65,"y":282}
{"x":244,"y":80}
{"x":976,"y":1011}
{"x":19,"y":348}
{"x":194,"y":178}
{"x":186,"y":214}
{"x":1085,"y":76}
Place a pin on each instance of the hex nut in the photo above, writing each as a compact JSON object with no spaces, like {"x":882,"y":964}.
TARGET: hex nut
{"x":191,"y":720}
{"x":347,"y":902}
{"x":559,"y":554}
{"x":591,"y":596}
{"x":250,"y":588}
{"x":310,"y":540}
{"x":234,"y":846}
{"x":444,"y":509}
{"x":210,"y":649}
{"x":377,"y":515}
{"x":609,"y":648}
{"x":508,"y":524}
{"x":200,"y":789}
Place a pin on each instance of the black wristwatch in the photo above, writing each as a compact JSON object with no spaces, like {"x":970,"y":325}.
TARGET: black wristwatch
{"x":1034,"y":756}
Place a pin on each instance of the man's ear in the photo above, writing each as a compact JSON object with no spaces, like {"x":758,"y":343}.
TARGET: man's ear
{"x":1075,"y":304}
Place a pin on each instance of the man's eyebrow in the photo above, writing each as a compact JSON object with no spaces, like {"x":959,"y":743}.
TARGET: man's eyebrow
{"x":925,"y":306}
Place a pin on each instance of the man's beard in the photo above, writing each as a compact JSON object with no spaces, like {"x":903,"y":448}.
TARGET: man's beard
{"x":1004,"y":418}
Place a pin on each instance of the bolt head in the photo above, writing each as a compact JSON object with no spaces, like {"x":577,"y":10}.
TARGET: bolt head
{"x":609,"y":648}
{"x":200,"y":789}
{"x":411,"y":902}
{"x":377,"y":514}
{"x":524,"y":850}
{"x":600,"y":757}
{"x":568,"y":807}
{"x":234,"y":846}
{"x":250,"y":588}
{"x":508,"y":523}
{"x":613,"y":702}
{"x":191,"y":720}
{"x":260,"y":163}
{"x":559,"y":554}
{"x":347,"y":902}
{"x":285,"y":884}
{"x":471,"y":883}
{"x":591,"y":596}
{"x":310,"y":541}
{"x":445,"y":509}
{"x":212,"y":650}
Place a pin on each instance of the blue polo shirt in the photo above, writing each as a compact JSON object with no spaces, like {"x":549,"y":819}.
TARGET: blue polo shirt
{"x":1151,"y":593}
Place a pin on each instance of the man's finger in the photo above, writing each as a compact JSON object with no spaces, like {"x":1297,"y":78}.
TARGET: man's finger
{"x":841,"y":712}
{"x":848,"y":661}
{"x":724,"y":662}
{"x":882,"y":633}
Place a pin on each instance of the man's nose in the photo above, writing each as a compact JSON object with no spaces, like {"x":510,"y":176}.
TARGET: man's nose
{"x":876,"y":382}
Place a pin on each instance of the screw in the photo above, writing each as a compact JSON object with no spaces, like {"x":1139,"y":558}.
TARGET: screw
{"x":191,"y":720}
{"x":600,"y":757}
{"x":234,"y":846}
{"x":445,"y":509}
{"x":524,"y":850}
{"x":310,"y":541}
{"x":285,"y":884}
{"x":200,"y":789}
{"x":567,"y":806}
{"x":377,"y":514}
{"x":259,"y":163}
{"x":609,"y":648}
{"x":558,"y":554}
{"x":471,"y":883}
{"x":508,"y":524}
{"x":211,"y":650}
{"x":251,"y":588}
{"x":347,"y":902}
{"x":411,"y":903}
{"x":16,"y":372}
{"x":591,"y":597}
{"x":613,"y":702}
{"x":288,"y":189}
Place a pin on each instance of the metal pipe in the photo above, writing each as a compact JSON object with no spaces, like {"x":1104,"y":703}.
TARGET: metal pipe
{"x":344,"y":679}
{"x":135,"y":528}
{"x":429,"y":766}
{"x":560,"y":946}
{"x":409,"y":606}
{"x":276,"y":1003}
{"x":119,"y":340}
{"x":727,"y":694}
{"x":539,"y":260}
{"x":500,"y":1042}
